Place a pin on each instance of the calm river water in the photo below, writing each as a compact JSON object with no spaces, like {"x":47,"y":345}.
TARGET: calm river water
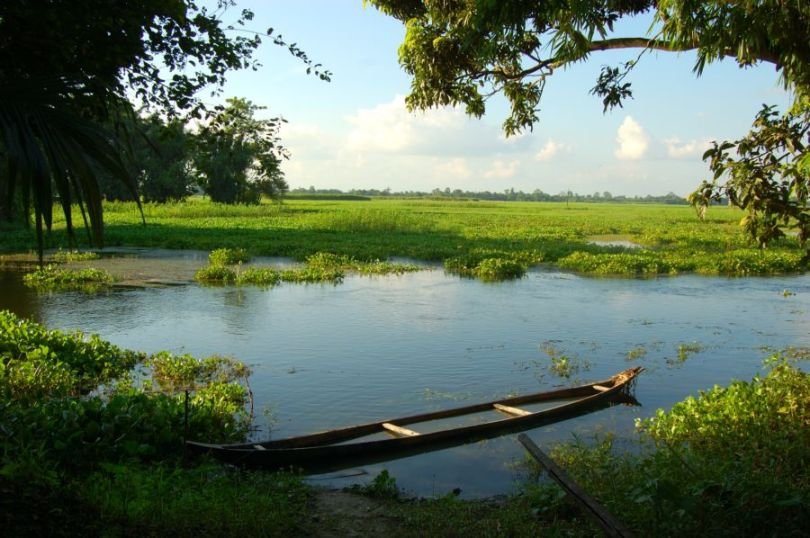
{"x":378,"y":347}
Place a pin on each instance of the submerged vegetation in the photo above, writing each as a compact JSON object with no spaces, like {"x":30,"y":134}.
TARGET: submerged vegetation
{"x":482,"y":239}
{"x":563,"y":365}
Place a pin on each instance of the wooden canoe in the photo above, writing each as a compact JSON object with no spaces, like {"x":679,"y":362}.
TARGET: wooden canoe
{"x":333,"y":449}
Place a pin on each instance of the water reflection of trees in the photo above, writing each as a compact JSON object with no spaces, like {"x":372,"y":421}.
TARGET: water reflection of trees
{"x":17,"y":298}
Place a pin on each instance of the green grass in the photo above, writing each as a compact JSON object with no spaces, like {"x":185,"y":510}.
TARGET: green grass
{"x":463,"y":236}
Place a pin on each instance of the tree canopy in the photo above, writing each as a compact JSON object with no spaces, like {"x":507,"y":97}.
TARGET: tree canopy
{"x":68,"y":67}
{"x":460,"y":53}
{"x":238,"y":156}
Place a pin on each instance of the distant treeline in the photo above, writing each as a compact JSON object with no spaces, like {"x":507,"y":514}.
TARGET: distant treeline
{"x":508,"y":195}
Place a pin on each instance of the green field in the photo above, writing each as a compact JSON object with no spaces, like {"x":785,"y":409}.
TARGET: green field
{"x":461,"y":234}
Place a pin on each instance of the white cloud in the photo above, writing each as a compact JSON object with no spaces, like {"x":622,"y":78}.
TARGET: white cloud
{"x":551,"y":149}
{"x":632,"y":139}
{"x":682,"y":150}
{"x":453,"y":169}
{"x":445,"y":132}
{"x":307,"y":141}
{"x":501,"y":170}
{"x":385,"y":127}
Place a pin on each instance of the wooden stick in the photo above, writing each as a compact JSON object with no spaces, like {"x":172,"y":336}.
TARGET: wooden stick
{"x":399,"y":430}
{"x":511,"y":410}
{"x":593,"y":510}
{"x":600,"y":388}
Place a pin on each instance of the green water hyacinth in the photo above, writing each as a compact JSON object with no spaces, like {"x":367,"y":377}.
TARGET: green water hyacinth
{"x":52,"y":278}
{"x":228,"y":256}
{"x":64,"y":256}
{"x":492,"y":269}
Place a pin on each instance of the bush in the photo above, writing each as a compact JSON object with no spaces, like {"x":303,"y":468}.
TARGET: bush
{"x":731,"y":462}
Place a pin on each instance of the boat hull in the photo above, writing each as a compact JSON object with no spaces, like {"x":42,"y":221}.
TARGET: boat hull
{"x":320,"y":452}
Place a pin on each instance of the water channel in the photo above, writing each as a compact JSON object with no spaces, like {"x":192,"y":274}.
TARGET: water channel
{"x":325,"y":356}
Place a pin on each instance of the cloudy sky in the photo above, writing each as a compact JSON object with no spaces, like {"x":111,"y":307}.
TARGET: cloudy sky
{"x":355,"y":132}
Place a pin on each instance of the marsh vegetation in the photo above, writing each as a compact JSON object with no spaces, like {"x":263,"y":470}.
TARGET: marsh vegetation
{"x":489,"y":240}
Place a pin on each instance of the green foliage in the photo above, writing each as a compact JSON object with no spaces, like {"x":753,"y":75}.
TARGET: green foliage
{"x":461,"y":53}
{"x":55,"y":96}
{"x":215,"y":273}
{"x":623,"y":264}
{"x":382,"y":486}
{"x":79,"y":427}
{"x":52,"y":278}
{"x":259,"y":276}
{"x":63,"y":256}
{"x":732,"y":461}
{"x":462,"y":235}
{"x":204,"y":501}
{"x":448,"y":515}
{"x":313,"y":275}
{"x":330,"y":262}
{"x":70,"y":402}
{"x":36,"y":362}
{"x":158,"y":157}
{"x":636,"y":353}
{"x":319,"y":267}
{"x":175,"y":373}
{"x":563,"y":365}
{"x":651,"y":263}
{"x":766,"y":175}
{"x":228,"y":256}
{"x":487,"y":269}
{"x":239,"y":156}
{"x":686,"y":350}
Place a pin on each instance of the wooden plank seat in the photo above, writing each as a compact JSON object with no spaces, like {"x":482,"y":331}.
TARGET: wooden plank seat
{"x":399,"y":430}
{"x":516,"y":411}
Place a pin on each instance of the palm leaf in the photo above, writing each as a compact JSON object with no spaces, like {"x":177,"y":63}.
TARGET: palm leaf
{"x":50,"y":149}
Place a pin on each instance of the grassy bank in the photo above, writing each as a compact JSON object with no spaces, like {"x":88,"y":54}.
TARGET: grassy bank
{"x":470,"y":238}
{"x":92,"y":444}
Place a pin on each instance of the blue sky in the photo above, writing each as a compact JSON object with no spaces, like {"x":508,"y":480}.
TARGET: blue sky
{"x":354,"y":132}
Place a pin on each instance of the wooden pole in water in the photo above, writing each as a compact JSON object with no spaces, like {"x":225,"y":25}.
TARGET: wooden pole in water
{"x":610,"y":525}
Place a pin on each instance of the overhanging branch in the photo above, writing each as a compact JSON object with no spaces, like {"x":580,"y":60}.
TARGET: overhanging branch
{"x":608,"y":44}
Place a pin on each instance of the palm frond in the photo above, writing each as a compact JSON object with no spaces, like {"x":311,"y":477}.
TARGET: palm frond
{"x":51,"y":149}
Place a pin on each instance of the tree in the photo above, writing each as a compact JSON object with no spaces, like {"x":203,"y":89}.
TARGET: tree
{"x":67,"y":68}
{"x":238,"y":156}
{"x":461,"y":53}
{"x":158,"y":157}
{"x":769,"y":177}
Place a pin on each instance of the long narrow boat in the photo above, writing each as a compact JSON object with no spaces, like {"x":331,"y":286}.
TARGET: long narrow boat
{"x":334,"y":449}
